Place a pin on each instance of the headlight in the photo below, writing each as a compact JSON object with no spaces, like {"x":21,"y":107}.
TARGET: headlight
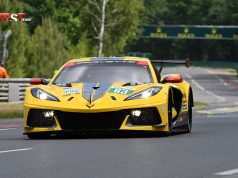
{"x":145,"y":94}
{"x":41,"y":94}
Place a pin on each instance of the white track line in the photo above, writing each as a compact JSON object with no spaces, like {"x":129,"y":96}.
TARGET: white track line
{"x":23,"y":149}
{"x":221,"y":99}
{"x":216,"y":75}
{"x":222,"y":116}
{"x":7,"y":129}
{"x":227,"y":173}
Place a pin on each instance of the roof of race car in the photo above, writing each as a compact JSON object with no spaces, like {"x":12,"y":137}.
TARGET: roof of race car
{"x":109,"y":59}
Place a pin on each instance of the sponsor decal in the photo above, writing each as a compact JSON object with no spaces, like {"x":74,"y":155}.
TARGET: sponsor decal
{"x":186,"y":34}
{"x":69,"y":91}
{"x":159,"y":33}
{"x":121,"y":90}
{"x":214,"y":34}
{"x":6,"y":16}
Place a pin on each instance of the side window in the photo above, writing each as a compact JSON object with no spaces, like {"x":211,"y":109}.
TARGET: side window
{"x":157,"y":73}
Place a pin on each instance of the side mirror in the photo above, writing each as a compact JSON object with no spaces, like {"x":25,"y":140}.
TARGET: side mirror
{"x":38,"y":81}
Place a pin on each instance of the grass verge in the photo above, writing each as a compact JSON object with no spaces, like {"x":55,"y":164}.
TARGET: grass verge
{"x":11,"y":110}
{"x":233,"y":72}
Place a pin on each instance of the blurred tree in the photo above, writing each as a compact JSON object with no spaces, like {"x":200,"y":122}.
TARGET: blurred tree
{"x":231,"y":13}
{"x":217,"y":12}
{"x":17,"y":41}
{"x":82,"y":49}
{"x":46,"y":50}
{"x":74,"y":30}
{"x":65,"y":12}
{"x":16,"y":63}
{"x":120,"y":24}
{"x":190,"y":12}
{"x":155,"y":11}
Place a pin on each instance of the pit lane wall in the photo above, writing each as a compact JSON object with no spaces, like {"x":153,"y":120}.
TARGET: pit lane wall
{"x":13,"y":90}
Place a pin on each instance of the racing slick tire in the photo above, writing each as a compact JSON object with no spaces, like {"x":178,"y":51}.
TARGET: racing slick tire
{"x":190,"y":115}
{"x":37,"y":136}
{"x":170,"y":122}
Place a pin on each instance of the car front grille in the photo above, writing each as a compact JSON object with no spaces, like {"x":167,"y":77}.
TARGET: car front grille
{"x":91,"y":121}
{"x":73,"y":121}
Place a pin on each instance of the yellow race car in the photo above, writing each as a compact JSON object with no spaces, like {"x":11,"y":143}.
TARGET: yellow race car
{"x":103,"y":94}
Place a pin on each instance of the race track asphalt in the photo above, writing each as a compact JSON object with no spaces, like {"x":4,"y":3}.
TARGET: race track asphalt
{"x":210,"y":149}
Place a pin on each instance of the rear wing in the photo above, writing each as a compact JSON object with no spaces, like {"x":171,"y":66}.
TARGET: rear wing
{"x":185,"y":62}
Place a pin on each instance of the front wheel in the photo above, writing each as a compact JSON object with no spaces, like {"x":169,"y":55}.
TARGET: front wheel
{"x":169,"y":132}
{"x":38,"y":136}
{"x":190,"y":115}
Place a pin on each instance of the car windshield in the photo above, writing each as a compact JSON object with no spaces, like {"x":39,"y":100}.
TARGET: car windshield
{"x":104,"y":71}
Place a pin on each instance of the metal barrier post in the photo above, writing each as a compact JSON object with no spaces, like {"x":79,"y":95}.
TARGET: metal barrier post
{"x":13,"y":89}
{"x":13,"y":92}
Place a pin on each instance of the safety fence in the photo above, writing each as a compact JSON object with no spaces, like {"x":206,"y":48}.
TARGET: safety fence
{"x":13,"y":90}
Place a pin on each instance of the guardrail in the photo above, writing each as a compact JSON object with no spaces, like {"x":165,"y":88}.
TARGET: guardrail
{"x":12,"y":90}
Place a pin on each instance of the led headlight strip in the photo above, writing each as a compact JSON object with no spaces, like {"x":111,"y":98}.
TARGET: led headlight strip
{"x":43,"y":95}
{"x":145,"y":93}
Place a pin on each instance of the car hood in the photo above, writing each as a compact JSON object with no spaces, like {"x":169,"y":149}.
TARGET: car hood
{"x":92,"y":92}
{"x":93,"y":95}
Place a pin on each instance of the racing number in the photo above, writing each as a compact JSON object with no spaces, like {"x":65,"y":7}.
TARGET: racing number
{"x":121,"y":91}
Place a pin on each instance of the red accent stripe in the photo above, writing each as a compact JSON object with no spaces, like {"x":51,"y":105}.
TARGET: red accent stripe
{"x":144,"y":63}
{"x":70,"y":64}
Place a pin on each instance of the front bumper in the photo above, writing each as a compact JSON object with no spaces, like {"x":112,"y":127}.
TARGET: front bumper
{"x":151,"y":119}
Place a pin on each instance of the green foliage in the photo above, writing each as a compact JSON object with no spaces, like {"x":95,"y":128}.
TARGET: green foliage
{"x":16,"y":63}
{"x":11,"y":110}
{"x":46,"y":50}
{"x":65,"y":29}
{"x":83,"y":48}
{"x":231,"y":13}
{"x":65,"y":12}
{"x":122,"y":20}
{"x":17,"y":41}
{"x":190,"y":12}
{"x":155,"y":11}
{"x":126,"y":30}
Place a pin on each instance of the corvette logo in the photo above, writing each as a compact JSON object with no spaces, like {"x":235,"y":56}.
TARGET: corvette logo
{"x":89,"y":106}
